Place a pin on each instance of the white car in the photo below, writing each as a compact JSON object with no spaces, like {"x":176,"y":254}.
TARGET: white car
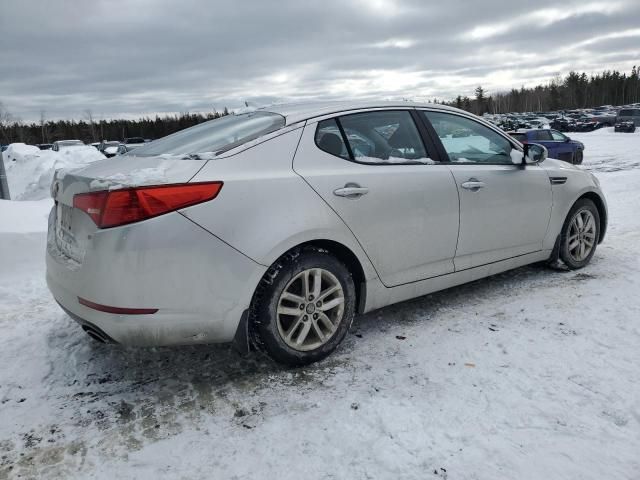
{"x":66,"y":144}
{"x":274,"y":228}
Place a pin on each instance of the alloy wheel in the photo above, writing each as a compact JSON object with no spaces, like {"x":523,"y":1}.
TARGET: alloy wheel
{"x":581,"y":237}
{"x":310,"y":309}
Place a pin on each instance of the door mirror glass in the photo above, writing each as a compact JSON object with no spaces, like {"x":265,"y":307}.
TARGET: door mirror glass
{"x":534,"y":153}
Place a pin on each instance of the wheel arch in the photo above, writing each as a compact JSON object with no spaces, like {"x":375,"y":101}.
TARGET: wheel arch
{"x":602,"y":211}
{"x":350,"y":260}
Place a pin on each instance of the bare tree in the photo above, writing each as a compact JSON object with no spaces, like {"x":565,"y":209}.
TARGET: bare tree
{"x":5,"y":119}
{"x":89,"y":116}
{"x":43,"y":126}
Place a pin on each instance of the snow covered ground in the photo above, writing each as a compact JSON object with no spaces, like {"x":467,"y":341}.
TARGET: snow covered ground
{"x":531,"y":374}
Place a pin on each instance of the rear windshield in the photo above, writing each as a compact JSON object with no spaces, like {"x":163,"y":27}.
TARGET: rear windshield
{"x":216,"y":135}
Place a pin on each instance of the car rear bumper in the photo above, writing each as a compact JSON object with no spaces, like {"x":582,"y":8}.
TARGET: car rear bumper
{"x":199,"y":285}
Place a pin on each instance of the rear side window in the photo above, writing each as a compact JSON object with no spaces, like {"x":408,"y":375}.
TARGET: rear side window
{"x":379,"y":137}
{"x":215,"y":136}
{"x":544,"y":135}
{"x":329,"y":139}
{"x":383,"y":137}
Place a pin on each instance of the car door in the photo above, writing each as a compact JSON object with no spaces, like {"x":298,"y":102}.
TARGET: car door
{"x":504,"y":208}
{"x":562,"y":147}
{"x":373,"y":169}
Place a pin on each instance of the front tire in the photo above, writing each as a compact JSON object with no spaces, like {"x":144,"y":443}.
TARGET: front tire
{"x":303,"y":307}
{"x":580,"y":234}
{"x":578,"y":158}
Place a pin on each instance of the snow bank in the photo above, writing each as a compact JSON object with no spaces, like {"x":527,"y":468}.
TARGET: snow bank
{"x":24,"y":217}
{"x":30,"y":170}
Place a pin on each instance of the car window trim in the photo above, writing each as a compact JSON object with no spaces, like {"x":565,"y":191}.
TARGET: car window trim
{"x":507,"y":137}
{"x":351,"y":156}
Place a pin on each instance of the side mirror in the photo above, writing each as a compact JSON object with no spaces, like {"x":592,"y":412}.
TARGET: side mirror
{"x":535,"y":153}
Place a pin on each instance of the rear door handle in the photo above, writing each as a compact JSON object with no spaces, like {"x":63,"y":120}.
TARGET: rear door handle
{"x":351,"y":190}
{"x":473,"y":184}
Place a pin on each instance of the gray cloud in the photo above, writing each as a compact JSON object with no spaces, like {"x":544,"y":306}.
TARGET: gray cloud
{"x":135,"y":57}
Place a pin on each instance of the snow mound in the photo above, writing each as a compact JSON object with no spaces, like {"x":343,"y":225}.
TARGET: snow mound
{"x":24,"y":217}
{"x":30,"y":170}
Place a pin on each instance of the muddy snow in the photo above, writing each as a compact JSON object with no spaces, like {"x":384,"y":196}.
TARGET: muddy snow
{"x":531,"y":374}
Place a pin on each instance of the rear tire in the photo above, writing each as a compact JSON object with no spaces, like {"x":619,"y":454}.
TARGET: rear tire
{"x":303,"y":307}
{"x":580,"y":234}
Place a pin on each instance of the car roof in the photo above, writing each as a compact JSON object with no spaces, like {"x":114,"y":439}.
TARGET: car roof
{"x":298,"y":112}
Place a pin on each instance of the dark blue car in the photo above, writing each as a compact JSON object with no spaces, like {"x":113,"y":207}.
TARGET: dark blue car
{"x":559,"y":145}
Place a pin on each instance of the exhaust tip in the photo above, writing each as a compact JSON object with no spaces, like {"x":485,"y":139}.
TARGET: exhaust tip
{"x":93,"y":334}
{"x":97,"y":334}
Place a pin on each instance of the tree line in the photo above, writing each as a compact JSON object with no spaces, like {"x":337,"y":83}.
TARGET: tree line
{"x":90,"y":130}
{"x":576,"y":90}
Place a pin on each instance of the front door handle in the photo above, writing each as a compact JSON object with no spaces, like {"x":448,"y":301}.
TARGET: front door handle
{"x":473,"y":184}
{"x":351,"y":190}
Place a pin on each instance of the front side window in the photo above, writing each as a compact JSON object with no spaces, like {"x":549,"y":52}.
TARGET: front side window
{"x":467,"y":141}
{"x":557,"y":136}
{"x":214,"y":136}
{"x":379,"y":137}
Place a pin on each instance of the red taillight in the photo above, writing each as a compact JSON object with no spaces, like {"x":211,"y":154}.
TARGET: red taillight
{"x":128,"y":205}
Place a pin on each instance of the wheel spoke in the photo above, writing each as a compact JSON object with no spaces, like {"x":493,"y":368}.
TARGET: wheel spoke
{"x":327,"y":322}
{"x":573,"y":245}
{"x":288,"y":311}
{"x":318,"y":330}
{"x":588,"y":242}
{"x":581,"y":250}
{"x":293,"y":328}
{"x":291,"y":297}
{"x":317,"y":282}
{"x":590,"y":235}
{"x":579,"y":221}
{"x":305,"y":283}
{"x":332,"y":304}
{"x":325,"y":293}
{"x":589,"y":226}
{"x":304,"y":332}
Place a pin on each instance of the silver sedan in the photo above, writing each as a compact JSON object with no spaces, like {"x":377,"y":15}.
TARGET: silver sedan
{"x":273,"y":228}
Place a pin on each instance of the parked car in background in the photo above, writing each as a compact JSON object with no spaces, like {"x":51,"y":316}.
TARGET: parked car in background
{"x":123,"y":148}
{"x":294,"y":228}
{"x":626,"y":127}
{"x":558,"y":144}
{"x":134,"y":141}
{"x":44,"y":146}
{"x":64,"y":144}
{"x":604,"y":118}
{"x":629,"y":115}
{"x":109,"y":148}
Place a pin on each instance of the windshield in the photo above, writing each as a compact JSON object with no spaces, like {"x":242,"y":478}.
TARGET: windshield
{"x":629,"y":113}
{"x":216,"y":135}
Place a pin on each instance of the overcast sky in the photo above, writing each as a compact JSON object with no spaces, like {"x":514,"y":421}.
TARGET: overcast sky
{"x":134,"y":57}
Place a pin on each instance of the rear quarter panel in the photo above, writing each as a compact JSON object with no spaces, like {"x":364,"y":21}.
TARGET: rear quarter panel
{"x":265,"y":208}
